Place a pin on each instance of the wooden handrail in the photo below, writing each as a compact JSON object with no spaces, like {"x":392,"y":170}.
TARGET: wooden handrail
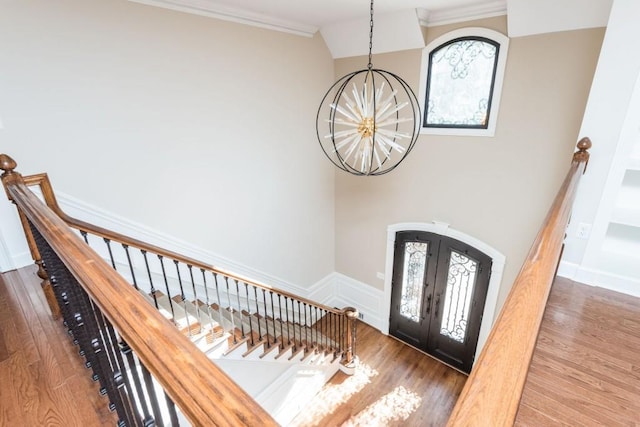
{"x":204,"y":393}
{"x":49,"y":197}
{"x":492,"y":393}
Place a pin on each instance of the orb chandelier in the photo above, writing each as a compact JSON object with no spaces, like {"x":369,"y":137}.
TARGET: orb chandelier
{"x":369,"y":120}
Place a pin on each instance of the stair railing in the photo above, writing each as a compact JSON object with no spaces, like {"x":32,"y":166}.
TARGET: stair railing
{"x":262,"y":313}
{"x":151,"y":373}
{"x":491,"y":395}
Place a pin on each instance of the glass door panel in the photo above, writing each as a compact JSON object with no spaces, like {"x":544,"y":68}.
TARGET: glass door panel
{"x":415,"y":260}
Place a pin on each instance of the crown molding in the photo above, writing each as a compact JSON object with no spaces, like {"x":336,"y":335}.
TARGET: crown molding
{"x":432,"y":18}
{"x":213,"y":9}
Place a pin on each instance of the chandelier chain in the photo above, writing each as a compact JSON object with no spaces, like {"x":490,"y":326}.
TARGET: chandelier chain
{"x":370,"y":65}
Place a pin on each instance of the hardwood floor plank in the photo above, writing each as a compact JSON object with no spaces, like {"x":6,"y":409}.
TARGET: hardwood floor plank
{"x":395,"y":385}
{"x":584,"y":370}
{"x":8,"y":404}
{"x":24,"y":340}
{"x":49,"y":384}
{"x":536,"y":418}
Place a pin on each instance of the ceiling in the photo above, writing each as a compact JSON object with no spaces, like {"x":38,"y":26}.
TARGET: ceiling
{"x":306,"y":17}
{"x":344,"y":24}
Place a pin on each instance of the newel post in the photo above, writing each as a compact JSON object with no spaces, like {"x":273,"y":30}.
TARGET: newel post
{"x":582,"y":155}
{"x":9,"y":177}
{"x":352,"y":318}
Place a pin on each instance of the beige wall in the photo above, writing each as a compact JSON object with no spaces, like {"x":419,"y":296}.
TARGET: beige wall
{"x":495,"y":189}
{"x":199,"y":128}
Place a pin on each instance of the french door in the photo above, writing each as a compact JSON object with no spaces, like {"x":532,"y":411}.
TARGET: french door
{"x":439,"y":288}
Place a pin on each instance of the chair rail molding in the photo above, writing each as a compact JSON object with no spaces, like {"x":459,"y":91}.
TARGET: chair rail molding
{"x":443,"y":229}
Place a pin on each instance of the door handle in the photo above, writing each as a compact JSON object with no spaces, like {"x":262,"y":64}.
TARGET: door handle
{"x":437,"y":305}
{"x":428,"y":304}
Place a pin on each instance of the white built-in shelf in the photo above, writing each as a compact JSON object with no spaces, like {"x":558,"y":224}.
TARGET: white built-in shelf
{"x":623,"y":265}
{"x":626,"y":216}
{"x":623,"y":239}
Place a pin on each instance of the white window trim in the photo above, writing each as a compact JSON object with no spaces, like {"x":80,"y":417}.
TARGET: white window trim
{"x":499,"y":38}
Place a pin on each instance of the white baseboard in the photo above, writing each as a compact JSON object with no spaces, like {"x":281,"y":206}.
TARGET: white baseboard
{"x":599,"y":278}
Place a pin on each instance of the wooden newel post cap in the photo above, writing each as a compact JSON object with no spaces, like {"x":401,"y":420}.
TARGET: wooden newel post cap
{"x":584,"y":144}
{"x":582,"y":155}
{"x":351,"y":312}
{"x":7,"y":164}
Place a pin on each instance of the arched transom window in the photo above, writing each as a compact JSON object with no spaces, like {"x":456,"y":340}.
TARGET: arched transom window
{"x":462,"y":78}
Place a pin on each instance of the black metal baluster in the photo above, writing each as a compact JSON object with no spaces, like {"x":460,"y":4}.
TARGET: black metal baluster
{"x":133,"y":274}
{"x":84,"y":325}
{"x":340,"y":332}
{"x":273,"y":318}
{"x":153,"y":289}
{"x":100,"y":346}
{"x":133,"y":371}
{"x":84,"y":236}
{"x":334,"y":334}
{"x":62,"y":298}
{"x":108,"y":243}
{"x":266,"y":316}
{"x":63,"y":283}
{"x":246,"y":291}
{"x":240,"y":310}
{"x":166,"y":286}
{"x":286,"y":312}
{"x":300,"y":324}
{"x":186,"y":314}
{"x":306,"y":327}
{"x":215,"y":280}
{"x":117,"y":367}
{"x":280,"y":320}
{"x":195,"y":296}
{"x":100,"y":361}
{"x":255,"y":293}
{"x":206,"y":297}
{"x":121,"y":377}
{"x":171,"y":408}
{"x":233,"y":322}
{"x":151,"y":392}
{"x":326,"y":328}
{"x":316,"y":326}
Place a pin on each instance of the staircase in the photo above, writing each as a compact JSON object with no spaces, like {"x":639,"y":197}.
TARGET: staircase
{"x":282,"y":371}
{"x":276,"y":349}
{"x":280,"y":348}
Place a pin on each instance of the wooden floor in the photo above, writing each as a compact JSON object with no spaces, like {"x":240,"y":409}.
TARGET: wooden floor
{"x":395,"y":385}
{"x":43,"y":381}
{"x":586,"y":367}
{"x":585,"y":372}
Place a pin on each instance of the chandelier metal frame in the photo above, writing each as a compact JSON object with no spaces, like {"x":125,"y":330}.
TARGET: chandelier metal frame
{"x":370,"y":130}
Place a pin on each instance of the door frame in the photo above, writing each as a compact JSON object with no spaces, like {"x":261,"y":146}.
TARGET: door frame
{"x":441,"y":228}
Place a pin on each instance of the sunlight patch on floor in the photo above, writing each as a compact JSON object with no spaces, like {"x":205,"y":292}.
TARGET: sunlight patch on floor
{"x":394,"y":406}
{"x":333,"y":395}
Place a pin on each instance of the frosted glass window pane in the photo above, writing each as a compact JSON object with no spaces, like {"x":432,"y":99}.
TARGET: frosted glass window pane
{"x":461,"y":76}
{"x":415,"y":257}
{"x":461,"y":279}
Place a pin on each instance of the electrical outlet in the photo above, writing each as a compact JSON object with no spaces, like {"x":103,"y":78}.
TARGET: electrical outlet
{"x":380,"y":276}
{"x":583,"y":231}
